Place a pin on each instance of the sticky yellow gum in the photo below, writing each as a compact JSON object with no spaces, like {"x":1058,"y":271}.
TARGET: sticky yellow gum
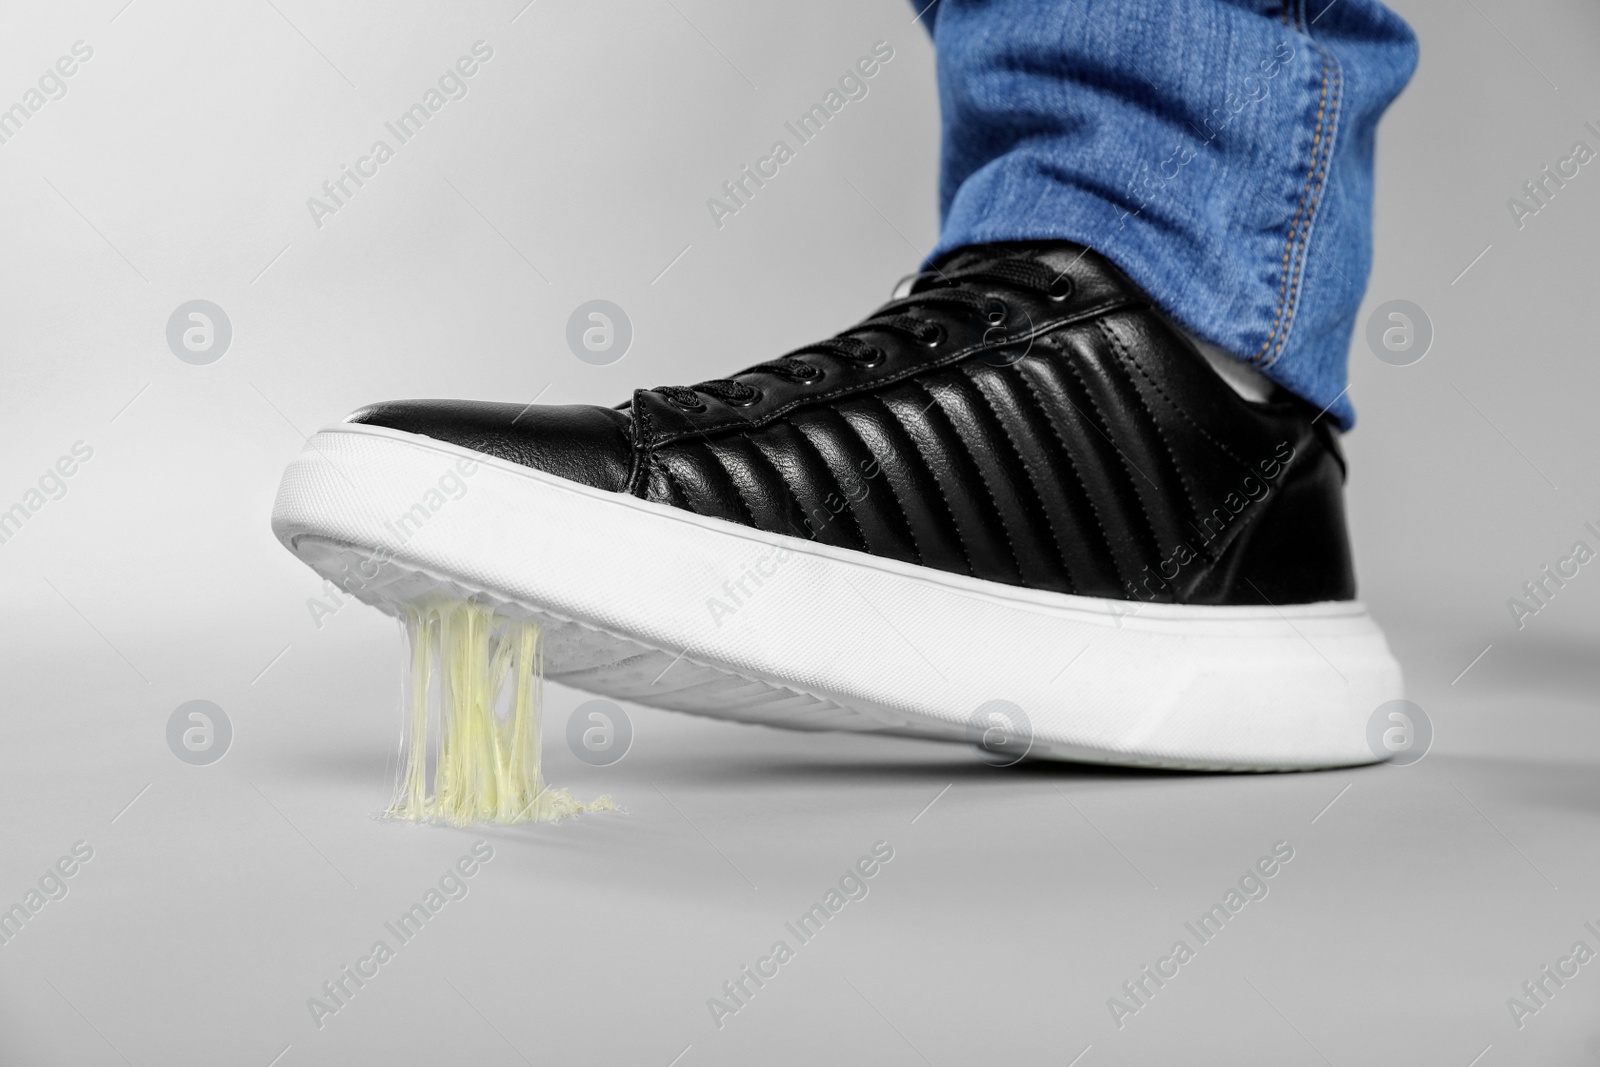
{"x":462,"y":656}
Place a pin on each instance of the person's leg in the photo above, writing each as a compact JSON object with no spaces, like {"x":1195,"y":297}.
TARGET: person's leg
{"x":1218,"y":151}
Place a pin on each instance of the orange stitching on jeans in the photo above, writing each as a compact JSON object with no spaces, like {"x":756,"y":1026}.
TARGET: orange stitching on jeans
{"x":1305,"y":235}
{"x":1294,"y":225}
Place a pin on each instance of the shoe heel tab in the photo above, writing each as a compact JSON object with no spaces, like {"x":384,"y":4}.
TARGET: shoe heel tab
{"x":1329,"y":435}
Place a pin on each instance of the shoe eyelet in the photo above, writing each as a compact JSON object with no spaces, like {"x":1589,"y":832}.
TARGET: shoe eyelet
{"x":750,"y":396}
{"x":871,"y":357}
{"x":933,"y":336}
{"x":685,"y":400}
{"x":810,"y":373}
{"x":1061,"y":288}
{"x":996,"y":311}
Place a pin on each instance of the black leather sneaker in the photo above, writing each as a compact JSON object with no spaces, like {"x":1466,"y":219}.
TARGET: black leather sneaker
{"x":1015,"y":501}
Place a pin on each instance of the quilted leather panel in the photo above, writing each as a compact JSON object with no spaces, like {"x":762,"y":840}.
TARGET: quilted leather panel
{"x":1022,"y":416}
{"x":1096,"y":453}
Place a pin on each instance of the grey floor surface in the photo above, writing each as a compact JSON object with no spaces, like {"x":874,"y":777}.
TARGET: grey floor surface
{"x":219,"y":899}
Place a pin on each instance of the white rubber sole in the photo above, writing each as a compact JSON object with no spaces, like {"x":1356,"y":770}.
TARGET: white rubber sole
{"x":651,"y":604}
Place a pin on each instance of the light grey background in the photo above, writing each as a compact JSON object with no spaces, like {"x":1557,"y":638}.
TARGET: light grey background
{"x":177,"y":167}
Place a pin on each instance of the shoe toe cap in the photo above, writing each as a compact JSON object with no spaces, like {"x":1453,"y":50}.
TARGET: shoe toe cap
{"x":578,"y":442}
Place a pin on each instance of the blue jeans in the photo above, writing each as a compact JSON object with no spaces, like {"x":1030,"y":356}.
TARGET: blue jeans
{"x":1218,"y":151}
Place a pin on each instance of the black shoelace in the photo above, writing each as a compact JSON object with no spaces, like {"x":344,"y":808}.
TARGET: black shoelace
{"x":935,"y":289}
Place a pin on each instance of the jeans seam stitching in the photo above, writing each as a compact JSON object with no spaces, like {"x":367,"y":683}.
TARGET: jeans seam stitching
{"x":1316,"y":201}
{"x":1301,"y":212}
